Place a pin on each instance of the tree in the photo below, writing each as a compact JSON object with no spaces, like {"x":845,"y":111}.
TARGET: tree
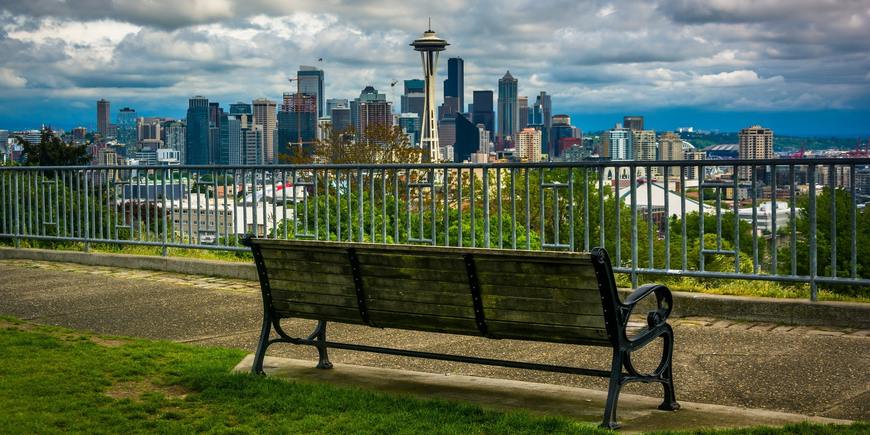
{"x":378,"y":144}
{"x":52,"y":151}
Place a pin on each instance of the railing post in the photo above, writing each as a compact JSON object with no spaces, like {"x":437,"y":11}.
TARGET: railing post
{"x":811,"y":175}
{"x":87,"y":223}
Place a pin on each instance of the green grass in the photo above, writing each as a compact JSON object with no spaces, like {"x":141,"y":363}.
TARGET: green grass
{"x":55,"y":380}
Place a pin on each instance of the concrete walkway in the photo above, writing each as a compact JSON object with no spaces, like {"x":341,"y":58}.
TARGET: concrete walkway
{"x":809,"y":371}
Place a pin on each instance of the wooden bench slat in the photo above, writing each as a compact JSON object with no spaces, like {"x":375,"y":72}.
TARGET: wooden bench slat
{"x":453,"y":275}
{"x":521,"y":279}
{"x":578,"y":268}
{"x":309,"y":287}
{"x":318,"y":255}
{"x":410,"y":260}
{"x":302,"y":298}
{"x":555,"y":319}
{"x":409,"y":307}
{"x":546,"y":293}
{"x":562,"y":334}
{"x":311,"y":277}
{"x":491,"y":301}
{"x":273,"y":264}
{"x":317,"y":312}
{"x":417,"y":322}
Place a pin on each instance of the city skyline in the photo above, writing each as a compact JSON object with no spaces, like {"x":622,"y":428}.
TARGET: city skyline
{"x":711,"y":65}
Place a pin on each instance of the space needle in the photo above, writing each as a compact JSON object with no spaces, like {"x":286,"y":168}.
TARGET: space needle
{"x":429,"y":45}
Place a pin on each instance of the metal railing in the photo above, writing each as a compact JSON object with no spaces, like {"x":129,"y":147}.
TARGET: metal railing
{"x":778,"y":220}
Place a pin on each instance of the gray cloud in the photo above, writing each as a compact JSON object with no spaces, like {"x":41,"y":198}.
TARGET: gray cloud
{"x":738,"y":54}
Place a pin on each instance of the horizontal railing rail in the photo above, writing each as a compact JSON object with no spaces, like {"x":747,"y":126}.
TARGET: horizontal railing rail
{"x":780,"y":220}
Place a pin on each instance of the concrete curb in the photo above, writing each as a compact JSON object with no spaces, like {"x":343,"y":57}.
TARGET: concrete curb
{"x":769,"y":310}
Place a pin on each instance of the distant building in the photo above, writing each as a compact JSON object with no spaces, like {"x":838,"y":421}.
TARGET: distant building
{"x":332,"y":103}
{"x":523,"y":105}
{"x":617,"y":143}
{"x":297,"y":123}
{"x":196,"y":142}
{"x":410,"y":124}
{"x":508,"y":111}
{"x":340,"y":118}
{"x":482,"y":112}
{"x":528,"y":145}
{"x":468,"y":139}
{"x":414,"y":97}
{"x":447,"y":131}
{"x":149,"y":128}
{"x":671,"y":148}
{"x":454,"y":85}
{"x":756,"y":142}
{"x":126,"y":122}
{"x":103,"y":108}
{"x":265,"y":116}
{"x":561,"y":128}
{"x":645,"y":148}
{"x":241,"y":108}
{"x":369,"y":109}
{"x":310,"y":81}
{"x":173,"y":135}
{"x":542,"y":115}
{"x":633,"y":122}
{"x":723,"y":151}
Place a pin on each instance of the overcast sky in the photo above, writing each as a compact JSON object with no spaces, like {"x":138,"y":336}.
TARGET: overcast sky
{"x":799,"y":66}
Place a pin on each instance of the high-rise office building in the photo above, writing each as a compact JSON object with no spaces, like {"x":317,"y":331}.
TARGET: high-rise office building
{"x":467,"y":139}
{"x":523,"y":104}
{"x":671,"y":148}
{"x":297,"y":123}
{"x":370,"y":108}
{"x":126,"y":122}
{"x":633,"y":122}
{"x":617,"y":143}
{"x":310,"y":81}
{"x":756,"y":142}
{"x":251,"y":141}
{"x":332,"y":103}
{"x":447,"y":131}
{"x":544,"y":109}
{"x":196,"y":142}
{"x":508,"y":111}
{"x":644,"y":144}
{"x":413,"y":98}
{"x":215,"y":116}
{"x":410,"y":124}
{"x":241,"y":108}
{"x":528,"y":145}
{"x":482,"y":112}
{"x":173,"y":135}
{"x":264,"y":115}
{"x":454,"y":86}
{"x":149,"y":128}
{"x":449,"y":108}
{"x":561,"y":129}
{"x":341,"y":118}
{"x":103,"y":108}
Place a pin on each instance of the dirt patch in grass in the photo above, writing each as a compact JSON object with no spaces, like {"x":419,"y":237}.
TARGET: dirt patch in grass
{"x":134,"y":390}
{"x":108,"y":342}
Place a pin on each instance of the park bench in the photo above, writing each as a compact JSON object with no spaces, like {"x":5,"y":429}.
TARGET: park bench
{"x":557,"y":297}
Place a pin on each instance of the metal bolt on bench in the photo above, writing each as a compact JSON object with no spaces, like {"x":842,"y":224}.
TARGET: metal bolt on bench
{"x":557,"y":297}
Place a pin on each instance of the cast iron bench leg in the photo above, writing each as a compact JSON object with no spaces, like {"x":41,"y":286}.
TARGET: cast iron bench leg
{"x":257,"y":367}
{"x":613,"y":391}
{"x":320,"y":343}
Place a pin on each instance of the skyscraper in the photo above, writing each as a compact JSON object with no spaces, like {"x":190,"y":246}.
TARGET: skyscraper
{"x":523,"y":104}
{"x":644,"y":144}
{"x":410,"y":124}
{"x":756,"y":142}
{"x":617,"y":144}
{"x":335,"y":102}
{"x":102,"y":117}
{"x":126,"y":121}
{"x":370,"y":108}
{"x":414,"y":97}
{"x":310,"y":81}
{"x":341,"y":118}
{"x":174,"y":137}
{"x":264,"y":115}
{"x":508,"y":110}
{"x":560,"y":129}
{"x":482,"y":111}
{"x":196,"y":142}
{"x":429,"y":46}
{"x":633,"y":122}
{"x":544,"y":107}
{"x":297,"y":123}
{"x":528,"y":145}
{"x":454,"y":86}
{"x":467,"y":139}
{"x":240,"y":108}
{"x":671,"y":148}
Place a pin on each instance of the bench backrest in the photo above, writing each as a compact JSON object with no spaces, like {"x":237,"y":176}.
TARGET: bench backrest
{"x":544,"y":296}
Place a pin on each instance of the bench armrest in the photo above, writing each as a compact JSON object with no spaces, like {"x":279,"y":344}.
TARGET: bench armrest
{"x":664,"y":302}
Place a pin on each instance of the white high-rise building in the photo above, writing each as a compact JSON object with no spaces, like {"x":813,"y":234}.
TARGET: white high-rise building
{"x":528,"y":145}
{"x":265,"y":116}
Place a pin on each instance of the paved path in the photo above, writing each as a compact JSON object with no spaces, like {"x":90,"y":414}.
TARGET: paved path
{"x":812,"y":371}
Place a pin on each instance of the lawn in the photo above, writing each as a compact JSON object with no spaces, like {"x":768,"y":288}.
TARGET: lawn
{"x":55,"y":380}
